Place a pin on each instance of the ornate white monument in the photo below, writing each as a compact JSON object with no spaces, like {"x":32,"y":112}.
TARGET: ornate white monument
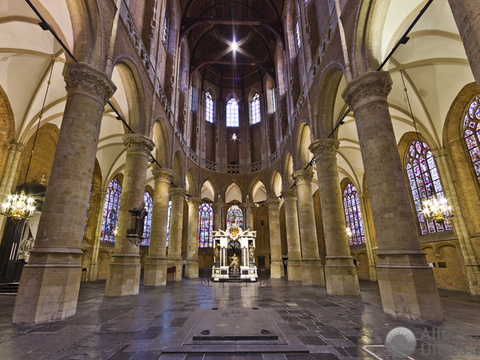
{"x":240,"y":265}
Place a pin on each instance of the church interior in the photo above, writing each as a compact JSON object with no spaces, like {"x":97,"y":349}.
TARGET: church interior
{"x":314,"y":164}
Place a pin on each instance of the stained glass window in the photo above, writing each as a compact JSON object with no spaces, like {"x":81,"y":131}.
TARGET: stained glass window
{"x":234,"y":216}
{"x":232,"y":113}
{"x":353,"y":215}
{"x":165,"y":29}
{"x":298,"y":42}
{"x":110,"y":212}
{"x":86,"y":214}
{"x":191,"y":97}
{"x":255,"y":109}
{"x":169,"y":211}
{"x":148,"y":219}
{"x":274,"y":102}
{"x":209,"y":107}
{"x":425,"y":183}
{"x":471,"y":133}
{"x":205,"y":226}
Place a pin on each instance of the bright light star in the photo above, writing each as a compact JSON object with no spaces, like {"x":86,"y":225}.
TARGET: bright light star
{"x":234,"y":46}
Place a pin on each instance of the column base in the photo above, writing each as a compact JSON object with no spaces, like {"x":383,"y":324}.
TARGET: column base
{"x":47,"y":293}
{"x":341,"y":276}
{"x":473,"y":279}
{"x":178,"y":263}
{"x":276,"y":269}
{"x":191,"y":269}
{"x":312,"y":272}
{"x":407,"y":286}
{"x":373,"y":273}
{"x":92,"y":272}
{"x":294,"y":269}
{"x":155,"y":271}
{"x":123,"y":275}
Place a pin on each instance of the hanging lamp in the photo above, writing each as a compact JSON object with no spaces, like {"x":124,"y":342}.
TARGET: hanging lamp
{"x":433,"y":209}
{"x":21,"y":206}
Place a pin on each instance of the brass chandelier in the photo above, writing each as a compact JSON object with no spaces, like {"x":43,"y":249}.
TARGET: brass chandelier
{"x":20,"y":206}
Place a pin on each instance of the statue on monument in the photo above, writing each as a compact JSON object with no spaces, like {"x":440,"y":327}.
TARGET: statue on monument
{"x":216,"y":253}
{"x":251,"y":253}
{"x":234,"y":262}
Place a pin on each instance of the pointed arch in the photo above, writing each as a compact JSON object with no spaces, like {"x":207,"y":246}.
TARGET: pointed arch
{"x":258,"y":191}
{"x":162,"y":145}
{"x":132,"y":84}
{"x":233,"y":192}
{"x":191,"y":181}
{"x":324,"y":119}
{"x":178,"y":178}
{"x":275,"y":184}
{"x":288,"y":171}
{"x":208,"y":190}
{"x":303,"y":155}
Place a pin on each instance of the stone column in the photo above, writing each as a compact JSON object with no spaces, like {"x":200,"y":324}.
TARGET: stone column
{"x":340,"y":272}
{"x":50,"y":281}
{"x":312,"y":269}
{"x":218,"y":214}
{"x":407,"y":285}
{"x":123,"y":276}
{"x":466,"y":15}
{"x":191,"y":264}
{"x":156,"y":265}
{"x":294,"y":270}
{"x":249,"y":215}
{"x":471,"y":262}
{"x":10,"y":170}
{"x":368,"y":240}
{"x":93,"y":268}
{"x":276,"y":266}
{"x":176,"y":229}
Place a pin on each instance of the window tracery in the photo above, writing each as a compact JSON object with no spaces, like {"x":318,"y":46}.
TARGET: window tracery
{"x":232,"y":113}
{"x":353,"y":215}
{"x":424,"y":183}
{"x":110,"y":212}
{"x":234,"y":216}
{"x":471,"y":133}
{"x":255,"y":109}
{"x":148,"y":219}
{"x":205,"y":226}
{"x":209,"y":107}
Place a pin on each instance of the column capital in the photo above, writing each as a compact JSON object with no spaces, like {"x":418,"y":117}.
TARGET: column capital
{"x":324,"y":147}
{"x":437,"y":153}
{"x":177,"y":193}
{"x":372,"y":86}
{"x":15,"y":147}
{"x":138,"y":142}
{"x":289,"y":194}
{"x":162,"y":174}
{"x":194,"y":201}
{"x":84,"y":78}
{"x":302,"y":176}
{"x":273,"y":202}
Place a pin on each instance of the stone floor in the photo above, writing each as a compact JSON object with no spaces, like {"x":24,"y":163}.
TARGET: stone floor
{"x":269,"y":320}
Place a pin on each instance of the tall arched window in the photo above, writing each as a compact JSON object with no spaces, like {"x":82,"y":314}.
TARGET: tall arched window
{"x":353,"y":215}
{"x":424,"y":182}
{"x":471,"y":133}
{"x":205,"y":226}
{"x":209,"y":107}
{"x":169,"y":211}
{"x":148,"y":219}
{"x":255,"y":109}
{"x":235,"y":216}
{"x":232,"y":113}
{"x":110,"y":212}
{"x":298,"y":42}
{"x":274,"y":102}
{"x":165,"y":29}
